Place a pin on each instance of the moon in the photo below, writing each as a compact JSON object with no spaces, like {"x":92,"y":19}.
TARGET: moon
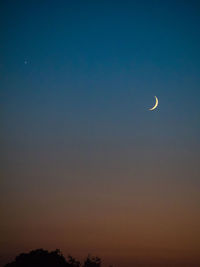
{"x":156,"y":104}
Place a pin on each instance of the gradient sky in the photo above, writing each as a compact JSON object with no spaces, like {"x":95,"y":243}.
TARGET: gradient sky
{"x":85,"y":166}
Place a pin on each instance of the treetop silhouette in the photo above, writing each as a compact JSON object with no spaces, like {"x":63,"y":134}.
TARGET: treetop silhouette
{"x":43,"y":258}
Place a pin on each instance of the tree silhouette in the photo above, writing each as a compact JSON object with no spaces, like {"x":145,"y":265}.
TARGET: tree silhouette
{"x":92,"y":262}
{"x":43,"y":258}
{"x":73,"y":262}
{"x":40,"y":258}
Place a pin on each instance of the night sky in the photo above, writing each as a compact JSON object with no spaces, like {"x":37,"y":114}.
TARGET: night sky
{"x":85,"y":166}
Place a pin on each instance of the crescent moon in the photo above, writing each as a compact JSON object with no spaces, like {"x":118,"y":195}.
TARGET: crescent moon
{"x":156,"y":104}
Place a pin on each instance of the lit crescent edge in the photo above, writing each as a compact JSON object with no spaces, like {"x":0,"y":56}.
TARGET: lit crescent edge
{"x":156,"y":104}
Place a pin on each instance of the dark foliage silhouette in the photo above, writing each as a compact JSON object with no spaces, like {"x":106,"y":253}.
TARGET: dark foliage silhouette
{"x":73,"y":262}
{"x":39,"y":258}
{"x":43,"y":258}
{"x":92,"y":262}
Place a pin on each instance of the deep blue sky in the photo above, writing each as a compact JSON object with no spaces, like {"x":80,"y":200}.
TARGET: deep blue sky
{"x":92,"y":63}
{"x":76,"y":81}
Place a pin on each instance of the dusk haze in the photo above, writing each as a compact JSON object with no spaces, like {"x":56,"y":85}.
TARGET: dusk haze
{"x":100,"y":130}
